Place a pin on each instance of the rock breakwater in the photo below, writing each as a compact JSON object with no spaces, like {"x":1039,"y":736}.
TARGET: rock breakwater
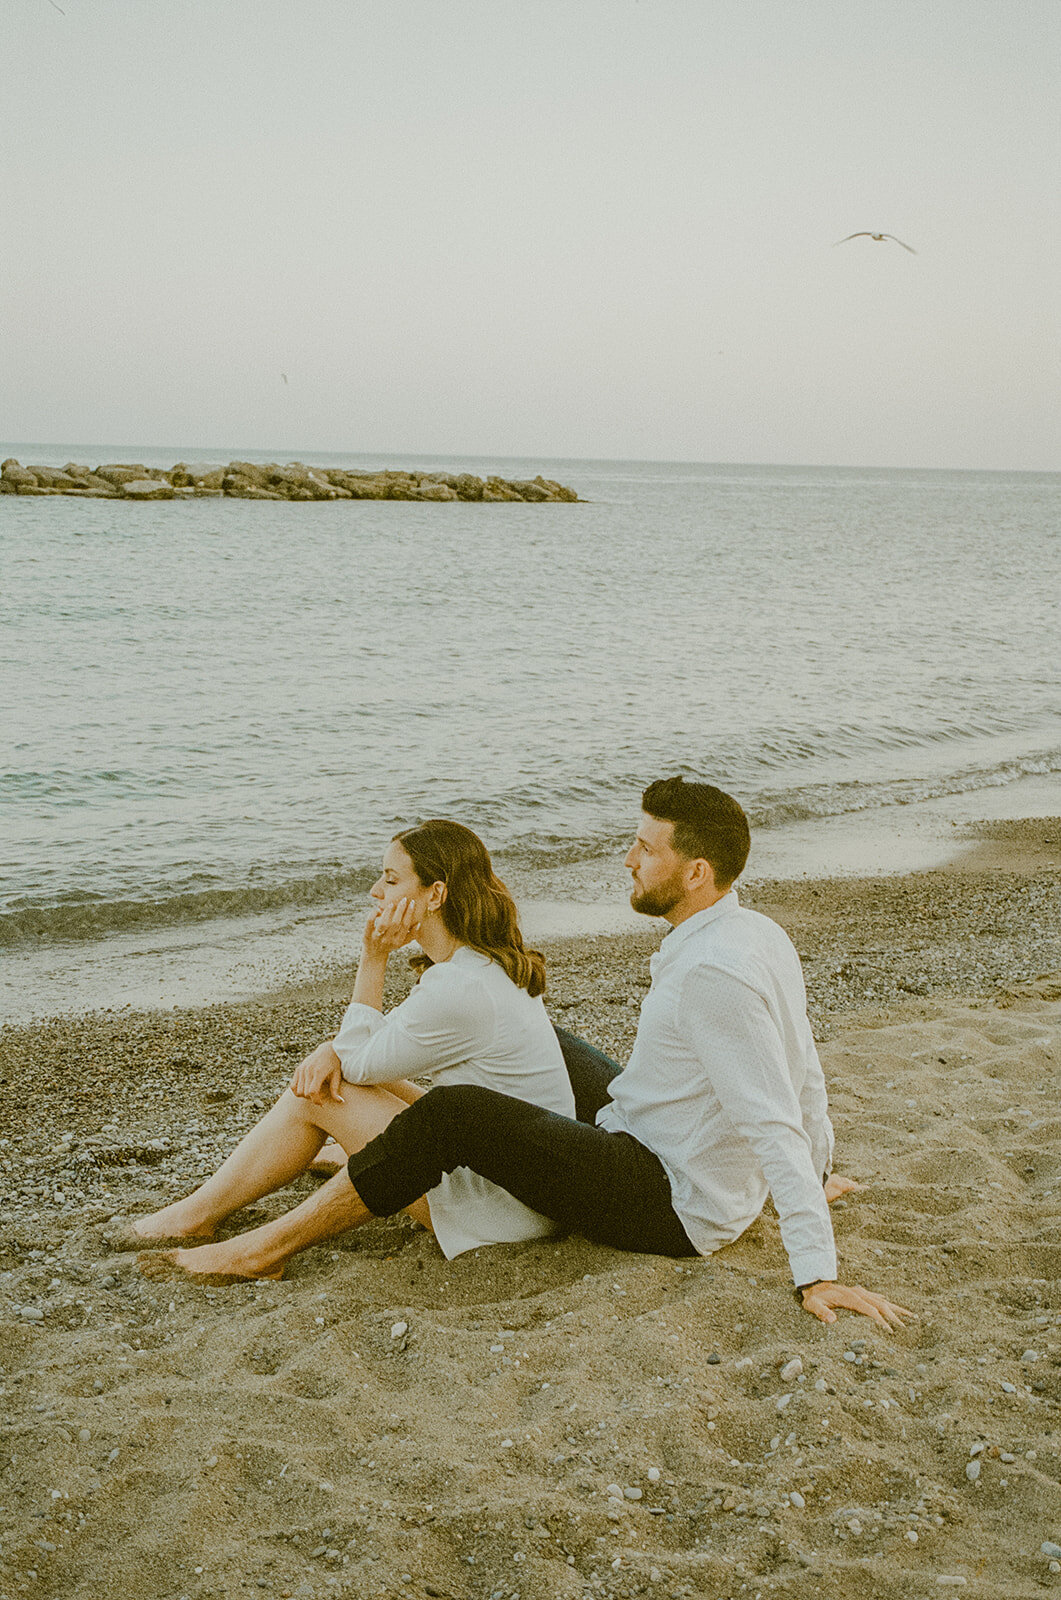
{"x":246,"y":480}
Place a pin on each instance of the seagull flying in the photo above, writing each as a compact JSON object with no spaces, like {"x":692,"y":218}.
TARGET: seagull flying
{"x":879,"y":237}
{"x":284,"y":376}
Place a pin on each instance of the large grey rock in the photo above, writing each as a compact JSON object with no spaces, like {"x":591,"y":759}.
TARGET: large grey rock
{"x":252,"y":473}
{"x":467,"y":485}
{"x":147,"y":489}
{"x":434,"y":491}
{"x":52,"y":478}
{"x":205,"y":475}
{"x":123,"y":472}
{"x":14,"y":474}
{"x":498,"y":489}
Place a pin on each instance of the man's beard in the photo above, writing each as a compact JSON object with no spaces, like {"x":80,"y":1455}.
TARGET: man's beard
{"x":663,"y":898}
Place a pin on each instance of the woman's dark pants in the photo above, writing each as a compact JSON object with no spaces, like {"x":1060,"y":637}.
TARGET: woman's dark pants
{"x":604,"y":1185}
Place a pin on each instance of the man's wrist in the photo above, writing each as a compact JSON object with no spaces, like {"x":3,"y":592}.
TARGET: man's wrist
{"x":802,"y":1288}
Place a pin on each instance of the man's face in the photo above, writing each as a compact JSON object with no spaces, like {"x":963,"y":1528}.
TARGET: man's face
{"x":658,"y":871}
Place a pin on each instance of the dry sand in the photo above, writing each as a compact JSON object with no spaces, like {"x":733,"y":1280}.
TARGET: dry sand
{"x":559,"y":1419}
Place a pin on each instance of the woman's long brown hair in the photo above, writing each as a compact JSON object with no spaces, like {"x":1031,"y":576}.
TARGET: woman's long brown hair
{"x":478,"y":909}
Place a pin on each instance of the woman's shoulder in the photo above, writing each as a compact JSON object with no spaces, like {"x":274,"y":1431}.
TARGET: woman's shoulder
{"x":462,"y":982}
{"x":469,"y":973}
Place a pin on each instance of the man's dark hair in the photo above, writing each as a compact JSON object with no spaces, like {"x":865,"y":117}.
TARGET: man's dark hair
{"x":708,"y":824}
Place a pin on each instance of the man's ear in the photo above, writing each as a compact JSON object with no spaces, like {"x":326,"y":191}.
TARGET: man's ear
{"x":701,"y":874}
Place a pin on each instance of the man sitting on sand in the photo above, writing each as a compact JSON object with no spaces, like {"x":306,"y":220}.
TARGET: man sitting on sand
{"x":723,"y":1100}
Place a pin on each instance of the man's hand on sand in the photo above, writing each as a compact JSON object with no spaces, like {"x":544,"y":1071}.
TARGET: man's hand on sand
{"x":823,"y":1300}
{"x":836,"y":1185}
{"x":319,"y":1077}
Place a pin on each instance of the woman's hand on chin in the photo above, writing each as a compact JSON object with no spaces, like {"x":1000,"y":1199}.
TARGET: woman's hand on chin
{"x":390,"y":928}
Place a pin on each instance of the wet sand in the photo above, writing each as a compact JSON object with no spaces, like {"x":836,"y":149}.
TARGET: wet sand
{"x":558,"y":1419}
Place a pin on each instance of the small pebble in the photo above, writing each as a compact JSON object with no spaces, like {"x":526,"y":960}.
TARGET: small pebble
{"x":31,"y":1313}
{"x":506,"y":1444}
{"x":653,"y":1474}
{"x":398,"y":1329}
{"x":911,"y":1535}
{"x":791,"y":1370}
{"x":1049,"y":1548}
{"x":713,"y":1360}
{"x":1055,"y":1566}
{"x":821,"y":1385}
{"x":1009,"y":1388}
{"x":1030,"y":1355}
{"x":797,"y":1500}
{"x":972,"y":1470}
{"x":783,"y":1400}
{"x":633,"y":1494}
{"x":85,"y":1435}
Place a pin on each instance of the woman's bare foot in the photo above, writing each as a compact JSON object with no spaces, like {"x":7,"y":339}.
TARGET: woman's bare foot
{"x":836,"y":1185}
{"x":172,"y":1225}
{"x":228,"y":1262}
{"x":329,"y":1160}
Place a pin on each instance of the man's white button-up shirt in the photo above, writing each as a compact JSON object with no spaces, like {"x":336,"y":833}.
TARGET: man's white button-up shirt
{"x":725,"y":1086}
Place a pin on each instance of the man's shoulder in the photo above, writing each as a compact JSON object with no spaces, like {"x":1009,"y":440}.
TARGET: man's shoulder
{"x":740,"y":944}
{"x":741,"y":927}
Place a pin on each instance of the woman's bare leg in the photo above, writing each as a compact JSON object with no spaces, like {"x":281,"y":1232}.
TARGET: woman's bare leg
{"x":331,"y":1155}
{"x":275,"y":1152}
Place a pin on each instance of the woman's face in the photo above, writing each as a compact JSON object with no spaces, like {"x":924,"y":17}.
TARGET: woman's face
{"x":398,"y":881}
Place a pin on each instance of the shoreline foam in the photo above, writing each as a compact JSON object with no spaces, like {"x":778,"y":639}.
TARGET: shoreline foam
{"x":225,"y":958}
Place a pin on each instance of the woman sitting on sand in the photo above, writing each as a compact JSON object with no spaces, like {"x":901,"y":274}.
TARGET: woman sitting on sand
{"x":475,"y":1017}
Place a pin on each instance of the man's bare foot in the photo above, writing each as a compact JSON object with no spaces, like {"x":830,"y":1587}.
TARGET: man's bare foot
{"x":227,"y":1262}
{"x":836,"y":1185}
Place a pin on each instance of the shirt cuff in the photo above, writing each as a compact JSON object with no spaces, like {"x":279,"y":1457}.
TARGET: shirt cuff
{"x":359,"y":1023}
{"x":813,"y":1266}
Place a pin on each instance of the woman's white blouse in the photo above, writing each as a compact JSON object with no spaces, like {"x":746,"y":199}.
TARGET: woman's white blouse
{"x":464,"y":1022}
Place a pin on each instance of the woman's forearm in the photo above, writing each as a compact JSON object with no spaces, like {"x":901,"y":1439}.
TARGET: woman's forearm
{"x":368,"y":985}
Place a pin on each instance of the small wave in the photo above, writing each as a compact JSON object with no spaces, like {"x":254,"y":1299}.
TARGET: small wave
{"x":91,"y":917}
{"x":835,"y":799}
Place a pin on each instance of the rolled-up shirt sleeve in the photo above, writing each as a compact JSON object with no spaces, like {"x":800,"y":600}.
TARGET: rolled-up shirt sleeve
{"x":730,"y":1028}
{"x":439,"y":1025}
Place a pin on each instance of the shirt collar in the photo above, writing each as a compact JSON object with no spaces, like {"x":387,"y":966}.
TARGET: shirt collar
{"x":465,"y":956}
{"x":700,"y":919}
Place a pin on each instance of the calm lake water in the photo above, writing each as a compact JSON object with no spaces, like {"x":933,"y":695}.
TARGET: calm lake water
{"x":223,"y":706}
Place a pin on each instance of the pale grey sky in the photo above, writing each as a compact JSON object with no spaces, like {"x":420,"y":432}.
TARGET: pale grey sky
{"x":535,"y":227}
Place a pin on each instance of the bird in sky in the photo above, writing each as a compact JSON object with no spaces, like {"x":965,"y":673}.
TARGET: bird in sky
{"x":284,"y":376}
{"x":879,"y":237}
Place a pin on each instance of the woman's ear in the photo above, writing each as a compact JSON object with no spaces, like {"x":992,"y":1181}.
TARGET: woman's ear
{"x":436,"y":895}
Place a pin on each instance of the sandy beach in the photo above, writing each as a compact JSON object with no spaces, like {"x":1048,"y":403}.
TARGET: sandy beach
{"x":558,"y":1419}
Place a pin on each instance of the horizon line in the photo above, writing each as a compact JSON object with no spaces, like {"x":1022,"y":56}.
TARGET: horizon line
{"x":207,"y":452}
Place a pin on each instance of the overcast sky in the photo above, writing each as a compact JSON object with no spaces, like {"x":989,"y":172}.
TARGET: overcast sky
{"x":535,"y":227}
